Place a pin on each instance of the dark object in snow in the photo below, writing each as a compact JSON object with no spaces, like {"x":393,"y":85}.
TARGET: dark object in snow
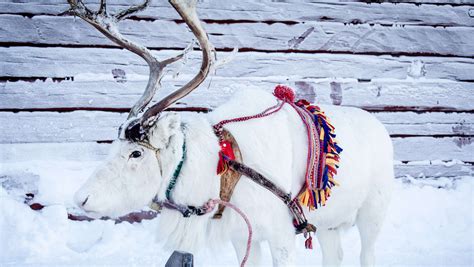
{"x":180,"y":259}
{"x":133,"y":217}
{"x":28,"y":198}
{"x":36,"y":206}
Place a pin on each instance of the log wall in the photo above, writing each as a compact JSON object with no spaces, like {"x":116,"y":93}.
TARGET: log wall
{"x":64,"y":88}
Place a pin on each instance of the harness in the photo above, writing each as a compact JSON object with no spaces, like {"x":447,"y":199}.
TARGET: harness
{"x":319,"y":174}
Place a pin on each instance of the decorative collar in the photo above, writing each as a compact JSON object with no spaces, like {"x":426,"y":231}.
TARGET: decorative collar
{"x":176,"y":173}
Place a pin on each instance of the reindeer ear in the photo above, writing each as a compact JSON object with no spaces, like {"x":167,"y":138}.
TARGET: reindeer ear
{"x":164,"y":129}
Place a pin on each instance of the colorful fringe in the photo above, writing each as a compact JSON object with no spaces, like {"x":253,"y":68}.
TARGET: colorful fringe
{"x":323,"y":151}
{"x":322,"y":167}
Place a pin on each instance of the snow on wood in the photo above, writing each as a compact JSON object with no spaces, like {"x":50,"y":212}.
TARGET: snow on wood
{"x":93,"y":62}
{"x":92,"y":151}
{"x":310,"y":36}
{"x":83,"y":151}
{"x":429,"y":148}
{"x":428,"y":124}
{"x":108,"y":78}
{"x":238,"y":10}
{"x":26,"y":127}
{"x":429,"y":169}
{"x":79,"y":126}
{"x":375,"y":95}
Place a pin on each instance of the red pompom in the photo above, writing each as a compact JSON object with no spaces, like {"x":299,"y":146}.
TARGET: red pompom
{"x":284,"y":93}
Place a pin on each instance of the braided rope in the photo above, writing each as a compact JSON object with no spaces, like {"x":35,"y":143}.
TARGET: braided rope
{"x":211,"y":204}
{"x":267,"y":112}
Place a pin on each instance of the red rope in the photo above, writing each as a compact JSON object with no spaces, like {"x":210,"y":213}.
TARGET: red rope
{"x":211,"y":204}
{"x":267,"y":112}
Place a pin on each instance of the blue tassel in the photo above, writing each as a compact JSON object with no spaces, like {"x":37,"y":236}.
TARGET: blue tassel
{"x":325,"y":178}
{"x":314,"y":197}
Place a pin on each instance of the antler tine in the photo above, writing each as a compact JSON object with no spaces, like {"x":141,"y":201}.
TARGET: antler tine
{"x":132,"y":10}
{"x":187,"y":11}
{"x":102,"y":7}
{"x":107,"y":25}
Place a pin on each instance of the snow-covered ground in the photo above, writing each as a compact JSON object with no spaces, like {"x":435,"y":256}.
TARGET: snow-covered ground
{"x":430,"y":223}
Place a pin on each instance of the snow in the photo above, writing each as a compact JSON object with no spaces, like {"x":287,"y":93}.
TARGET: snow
{"x":429,"y":223}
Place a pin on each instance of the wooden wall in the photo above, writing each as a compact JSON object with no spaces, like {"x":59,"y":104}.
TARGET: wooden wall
{"x":64,"y":88}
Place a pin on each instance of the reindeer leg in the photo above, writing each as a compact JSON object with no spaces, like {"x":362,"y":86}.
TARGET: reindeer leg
{"x":330,"y":242}
{"x":255,"y":256}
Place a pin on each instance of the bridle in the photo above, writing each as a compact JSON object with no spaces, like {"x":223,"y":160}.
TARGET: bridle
{"x":168,"y":202}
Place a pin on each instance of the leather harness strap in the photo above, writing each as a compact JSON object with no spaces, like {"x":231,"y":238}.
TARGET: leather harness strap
{"x":236,"y":169}
{"x":230,"y":177}
{"x":260,"y":179}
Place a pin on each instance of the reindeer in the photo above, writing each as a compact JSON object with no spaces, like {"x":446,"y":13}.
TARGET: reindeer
{"x":154,"y":145}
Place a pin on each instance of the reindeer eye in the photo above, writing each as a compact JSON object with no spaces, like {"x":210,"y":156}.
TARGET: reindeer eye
{"x":136,"y":154}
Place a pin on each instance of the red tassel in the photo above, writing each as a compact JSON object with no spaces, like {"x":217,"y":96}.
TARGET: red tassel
{"x":284,"y":93}
{"x":309,"y":243}
{"x":226,"y":151}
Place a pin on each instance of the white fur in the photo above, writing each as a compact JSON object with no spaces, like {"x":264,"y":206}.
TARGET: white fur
{"x":276,"y":146}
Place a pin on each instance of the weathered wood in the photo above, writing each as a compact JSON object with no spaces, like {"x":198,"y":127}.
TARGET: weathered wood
{"x":436,"y":169}
{"x":270,"y":11}
{"x":81,"y":126}
{"x":37,"y":127}
{"x":310,"y":36}
{"x":377,"y":83}
{"x":427,"y":124}
{"x":97,"y":64}
{"x":375,"y":95}
{"x":53,"y":127}
{"x":79,"y":151}
{"x":429,"y":148}
{"x":91,"y":151}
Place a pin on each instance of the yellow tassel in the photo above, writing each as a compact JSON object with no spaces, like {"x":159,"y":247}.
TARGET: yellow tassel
{"x":323,"y":199}
{"x":304,"y":198}
{"x":333,"y":181}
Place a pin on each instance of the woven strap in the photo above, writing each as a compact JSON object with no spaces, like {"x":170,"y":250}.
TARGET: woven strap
{"x":218,"y":128}
{"x":313,"y":179}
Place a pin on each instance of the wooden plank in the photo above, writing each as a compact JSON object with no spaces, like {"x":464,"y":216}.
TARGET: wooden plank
{"x":310,"y":36}
{"x":85,"y":126}
{"x":427,"y":124}
{"x":53,"y":127}
{"x":247,"y":10}
{"x":91,"y":151}
{"x":97,"y":64}
{"x":436,"y":2}
{"x":107,"y":94}
{"x":91,"y":126}
{"x":84,"y":151}
{"x":436,"y":169}
{"x":429,"y":148}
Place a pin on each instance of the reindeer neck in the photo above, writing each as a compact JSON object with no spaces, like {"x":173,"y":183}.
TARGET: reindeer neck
{"x":194,"y":178}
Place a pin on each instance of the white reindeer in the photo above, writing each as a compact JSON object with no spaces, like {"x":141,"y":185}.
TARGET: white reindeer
{"x":139,"y":170}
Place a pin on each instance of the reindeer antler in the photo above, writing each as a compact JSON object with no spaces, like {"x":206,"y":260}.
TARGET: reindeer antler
{"x":107,"y":25}
{"x":187,"y":11}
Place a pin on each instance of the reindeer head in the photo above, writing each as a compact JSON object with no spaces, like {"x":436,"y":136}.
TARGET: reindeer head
{"x":149,"y":146}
